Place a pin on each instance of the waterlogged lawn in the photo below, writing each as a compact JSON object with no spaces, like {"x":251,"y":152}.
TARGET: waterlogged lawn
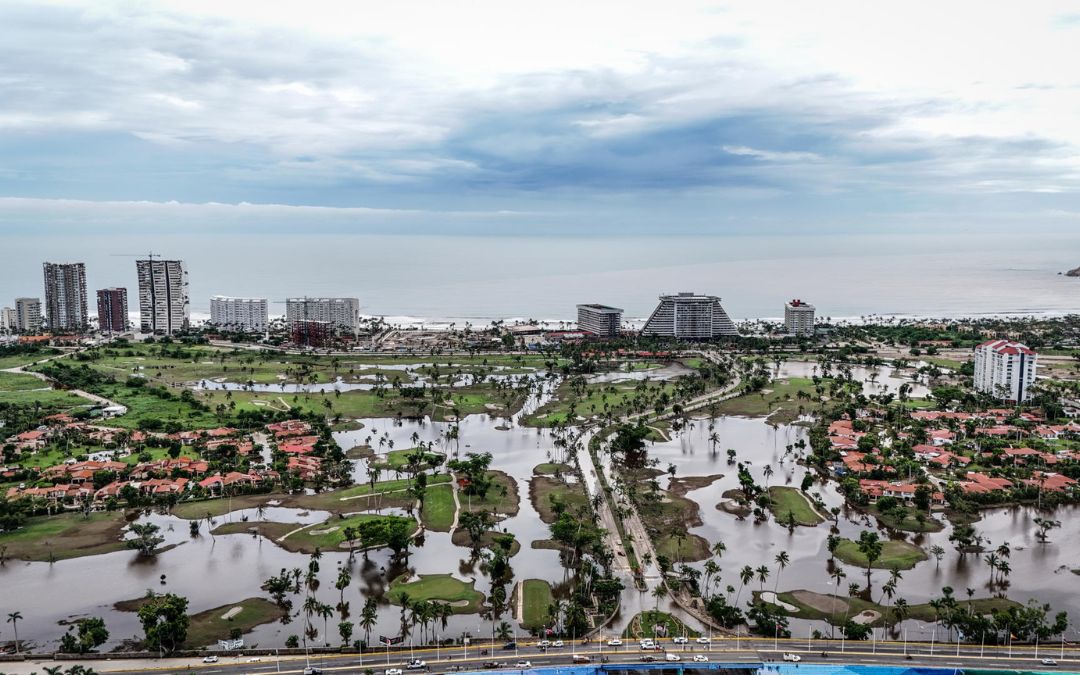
{"x":461,"y":596}
{"x":537,"y":599}
{"x":439,"y":508}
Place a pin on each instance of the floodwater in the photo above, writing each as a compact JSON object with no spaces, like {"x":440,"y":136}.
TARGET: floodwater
{"x":876,"y":380}
{"x":212,"y":571}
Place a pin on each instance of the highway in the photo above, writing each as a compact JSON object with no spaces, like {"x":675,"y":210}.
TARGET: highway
{"x":730,"y":651}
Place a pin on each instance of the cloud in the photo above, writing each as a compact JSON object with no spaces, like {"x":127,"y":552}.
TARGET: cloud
{"x":591,"y":106}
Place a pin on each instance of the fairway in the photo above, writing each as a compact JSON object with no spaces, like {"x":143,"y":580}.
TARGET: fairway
{"x":439,"y":508}
{"x":536,"y":602}
{"x":898,"y":555}
{"x":461,"y":596}
{"x":789,"y":503}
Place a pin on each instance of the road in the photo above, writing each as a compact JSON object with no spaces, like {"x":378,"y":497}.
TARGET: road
{"x":750,"y":652}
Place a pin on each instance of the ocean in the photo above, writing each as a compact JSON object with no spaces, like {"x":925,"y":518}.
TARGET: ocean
{"x":476,"y":279}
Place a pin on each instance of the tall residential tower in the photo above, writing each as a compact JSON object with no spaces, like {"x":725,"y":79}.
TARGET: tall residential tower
{"x":342,"y":313}
{"x":163,"y":296}
{"x":600,"y":320}
{"x":112,"y":310}
{"x":65,"y":297}
{"x":28,"y":315}
{"x":241,"y":315}
{"x":1005,"y":370}
{"x":799,"y":318}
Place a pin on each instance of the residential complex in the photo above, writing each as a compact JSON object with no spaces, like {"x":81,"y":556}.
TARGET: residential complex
{"x":112,"y":309}
{"x":799,"y":318}
{"x":28,"y":315}
{"x":600,"y":320}
{"x":690,"y":317}
{"x":342,"y":313}
{"x":240,"y":315}
{"x":65,"y":297}
{"x":1005,"y":370}
{"x":163,"y":296}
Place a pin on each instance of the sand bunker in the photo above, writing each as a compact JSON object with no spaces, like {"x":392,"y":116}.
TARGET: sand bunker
{"x":770,"y":597}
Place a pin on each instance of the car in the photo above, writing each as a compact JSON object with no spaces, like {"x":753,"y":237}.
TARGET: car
{"x":510,"y":645}
{"x":672,"y":657}
{"x":701,"y":658}
{"x":647,"y":645}
{"x":680,"y":640}
{"x":312,"y":671}
{"x":543,"y":644}
{"x":487,"y":664}
{"x":557,"y":643}
{"x":523,"y":664}
{"x":1048,"y":662}
{"x":581,"y":658}
{"x":614,"y":642}
{"x":414,"y":664}
{"x":703,"y":640}
{"x":392,"y":671}
{"x":254,"y":659}
{"x":210,"y":659}
{"x":794,"y":658}
{"x":648,"y":658}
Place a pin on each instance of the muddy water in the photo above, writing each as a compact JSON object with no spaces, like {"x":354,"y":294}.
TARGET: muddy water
{"x":1039,"y":571}
{"x":885,"y":378}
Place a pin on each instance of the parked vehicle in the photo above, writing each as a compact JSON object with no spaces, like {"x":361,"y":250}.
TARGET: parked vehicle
{"x":581,"y":658}
{"x":523,"y":664}
{"x":794,"y":658}
{"x":210,"y":659}
{"x":672,"y":657}
{"x":700,"y":658}
{"x":614,"y":642}
{"x":680,"y":639}
{"x":414,"y":664}
{"x":648,"y":658}
{"x":393,"y":671}
{"x":312,"y":671}
{"x":703,"y":640}
{"x":510,"y":645}
{"x":1048,"y":662}
{"x":557,"y":644}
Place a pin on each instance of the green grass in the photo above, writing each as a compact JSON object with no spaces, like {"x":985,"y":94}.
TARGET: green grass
{"x":196,"y":510}
{"x":779,"y":401}
{"x":537,"y":599}
{"x":51,"y":400}
{"x":641,"y":626}
{"x":909,"y":523}
{"x":567,"y":405}
{"x":360,"y":496}
{"x":326,"y":536}
{"x":17,"y":382}
{"x":788,"y":502}
{"x":67,"y":535}
{"x":441,"y":587}
{"x":552,"y":468}
{"x":208,"y":627}
{"x":898,"y":555}
{"x":396,"y":460}
{"x":501,"y":498}
{"x":856,"y":605}
{"x":439,"y":508}
{"x":543,"y":489}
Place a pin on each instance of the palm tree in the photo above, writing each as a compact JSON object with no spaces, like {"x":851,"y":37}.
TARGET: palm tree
{"x":782,"y":560}
{"x":369,"y":616}
{"x":762,"y":576}
{"x":746,"y":574}
{"x":659,"y":592}
{"x":14,"y":618}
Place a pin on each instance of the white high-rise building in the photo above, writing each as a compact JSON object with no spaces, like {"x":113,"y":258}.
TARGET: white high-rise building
{"x":65,"y":297}
{"x":1005,"y":369}
{"x":8,"y":321}
{"x":689,"y":317}
{"x":163,"y":296}
{"x":342,"y":313}
{"x":600,"y":320}
{"x":28,"y":315}
{"x":240,"y":315}
{"x":799,"y":318}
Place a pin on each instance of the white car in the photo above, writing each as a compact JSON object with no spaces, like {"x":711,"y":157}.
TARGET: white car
{"x":647,"y":644}
{"x":543,"y":643}
{"x":557,"y":643}
{"x":794,"y":658}
{"x":701,"y":658}
{"x":416,"y":664}
{"x":210,"y":659}
{"x":614,"y":642}
{"x":1048,"y":662}
{"x":703,"y":640}
{"x":680,"y":640}
{"x":254,"y":659}
{"x":523,"y":664}
{"x":393,"y":671}
{"x":672,"y":657}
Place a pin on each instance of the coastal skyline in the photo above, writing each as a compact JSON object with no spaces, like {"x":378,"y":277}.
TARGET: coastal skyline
{"x":703,"y":118}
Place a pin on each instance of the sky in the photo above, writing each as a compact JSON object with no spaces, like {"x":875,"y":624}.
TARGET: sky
{"x":506,"y":117}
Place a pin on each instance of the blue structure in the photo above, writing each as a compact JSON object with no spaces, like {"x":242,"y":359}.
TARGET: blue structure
{"x":749,"y":668}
